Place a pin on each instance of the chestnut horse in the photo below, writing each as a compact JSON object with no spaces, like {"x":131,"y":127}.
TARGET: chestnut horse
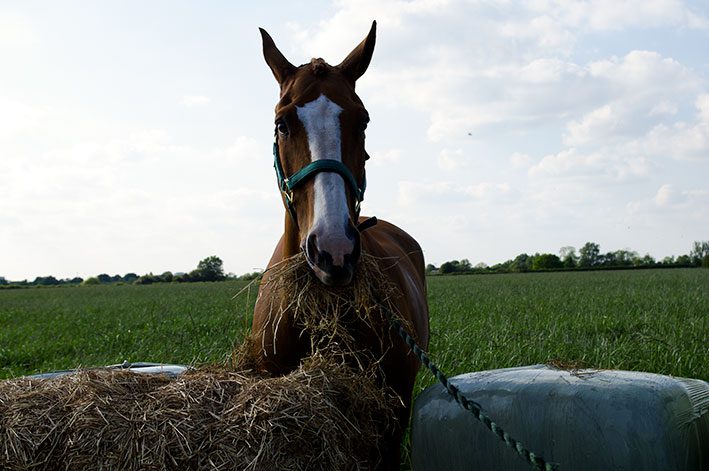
{"x":319,"y":159}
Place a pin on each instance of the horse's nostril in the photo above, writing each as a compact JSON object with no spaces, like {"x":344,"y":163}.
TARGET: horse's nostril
{"x":311,"y":248}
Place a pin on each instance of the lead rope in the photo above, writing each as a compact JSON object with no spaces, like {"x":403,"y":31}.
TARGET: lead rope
{"x":536,"y":461}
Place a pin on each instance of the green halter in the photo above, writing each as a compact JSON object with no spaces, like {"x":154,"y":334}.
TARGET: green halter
{"x":288,"y":184}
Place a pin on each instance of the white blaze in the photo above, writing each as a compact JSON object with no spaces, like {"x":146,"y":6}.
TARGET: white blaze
{"x":321,"y":120}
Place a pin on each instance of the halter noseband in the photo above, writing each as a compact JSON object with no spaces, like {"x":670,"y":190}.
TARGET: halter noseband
{"x":288,"y":184}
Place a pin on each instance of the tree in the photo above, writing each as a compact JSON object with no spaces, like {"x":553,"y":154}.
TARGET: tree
{"x":456,"y":266}
{"x":130,"y":277}
{"x":589,"y":255}
{"x":166,"y":277}
{"x":3,"y":281}
{"x":669,"y":260}
{"x":546,"y":261}
{"x":700,"y":250}
{"x":45,"y":281}
{"x":250,"y":276}
{"x":684,"y":260}
{"x":449,"y":267}
{"x":431,"y":268}
{"x":646,"y":260}
{"x":522,"y":262}
{"x":147,"y":279}
{"x":568,"y":256}
{"x":104,"y":278}
{"x":181,"y":278}
{"x":626,"y":258}
{"x":211,"y":269}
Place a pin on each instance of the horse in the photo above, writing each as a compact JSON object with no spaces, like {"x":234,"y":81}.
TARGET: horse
{"x":320,"y":157}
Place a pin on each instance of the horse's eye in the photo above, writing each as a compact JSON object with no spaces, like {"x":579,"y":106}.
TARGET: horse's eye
{"x":282,"y":127}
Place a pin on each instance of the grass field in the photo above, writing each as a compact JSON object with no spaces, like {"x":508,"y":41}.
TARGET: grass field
{"x":649,"y":320}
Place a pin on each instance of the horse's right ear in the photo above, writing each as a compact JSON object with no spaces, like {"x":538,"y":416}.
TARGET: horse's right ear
{"x":281,"y":68}
{"x":356,"y":63}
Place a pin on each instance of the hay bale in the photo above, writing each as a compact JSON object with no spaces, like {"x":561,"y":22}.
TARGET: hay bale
{"x":322,"y":416}
{"x":328,"y":414}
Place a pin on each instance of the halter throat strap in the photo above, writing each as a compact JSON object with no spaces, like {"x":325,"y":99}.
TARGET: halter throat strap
{"x":288,"y":184}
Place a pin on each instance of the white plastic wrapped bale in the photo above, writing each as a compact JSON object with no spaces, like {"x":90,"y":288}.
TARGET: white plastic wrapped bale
{"x":579,"y":419}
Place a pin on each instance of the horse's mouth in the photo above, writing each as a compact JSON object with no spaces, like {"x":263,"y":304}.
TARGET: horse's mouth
{"x":329,"y":274}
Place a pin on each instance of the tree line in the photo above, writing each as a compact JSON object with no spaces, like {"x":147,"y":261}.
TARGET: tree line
{"x":589,"y":257}
{"x":208,"y":269}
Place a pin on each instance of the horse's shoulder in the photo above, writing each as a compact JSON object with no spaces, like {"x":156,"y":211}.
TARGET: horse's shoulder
{"x":386,"y":239}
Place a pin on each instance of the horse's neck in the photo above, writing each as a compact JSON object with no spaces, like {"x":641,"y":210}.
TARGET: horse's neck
{"x":291,"y":244}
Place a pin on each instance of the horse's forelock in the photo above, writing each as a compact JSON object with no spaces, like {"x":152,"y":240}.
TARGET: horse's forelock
{"x":318,"y":67}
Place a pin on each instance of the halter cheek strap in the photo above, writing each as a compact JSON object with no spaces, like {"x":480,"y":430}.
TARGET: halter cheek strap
{"x":288,"y":184}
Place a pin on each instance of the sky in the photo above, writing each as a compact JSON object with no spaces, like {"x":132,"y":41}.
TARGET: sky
{"x":136,"y":136}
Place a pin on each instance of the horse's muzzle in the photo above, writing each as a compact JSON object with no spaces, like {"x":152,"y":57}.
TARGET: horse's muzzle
{"x":333,"y":258}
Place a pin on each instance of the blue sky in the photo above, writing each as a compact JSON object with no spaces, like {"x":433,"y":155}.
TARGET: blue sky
{"x":135,"y":136}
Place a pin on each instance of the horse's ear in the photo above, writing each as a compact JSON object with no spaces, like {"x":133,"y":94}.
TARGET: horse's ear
{"x":281,"y":68}
{"x":357,"y":62}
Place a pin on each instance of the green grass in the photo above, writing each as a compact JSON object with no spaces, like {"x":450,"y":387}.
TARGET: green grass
{"x":643,"y":320}
{"x":45,"y":329}
{"x":647,"y":320}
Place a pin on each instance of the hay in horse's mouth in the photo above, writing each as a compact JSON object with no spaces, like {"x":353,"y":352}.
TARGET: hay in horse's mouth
{"x":324,"y":415}
{"x":332,"y":316}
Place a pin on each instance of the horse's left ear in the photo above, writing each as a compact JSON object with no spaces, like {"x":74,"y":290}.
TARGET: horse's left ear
{"x":356,"y":63}
{"x":281,"y":68}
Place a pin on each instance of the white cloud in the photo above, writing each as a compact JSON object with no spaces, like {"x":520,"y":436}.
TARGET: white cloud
{"x":17,"y":116}
{"x":544,"y":31}
{"x":15,"y":31}
{"x":412,"y":194}
{"x":639,"y":90}
{"x":664,"y":107}
{"x":191,"y":101}
{"x":607,"y":15}
{"x":672,"y":211}
{"x":335,"y":37}
{"x":573,"y":163}
{"x":666,"y":195}
{"x":452,"y":159}
{"x":680,"y":140}
{"x":603,"y":120}
{"x":646,"y":69}
{"x":606,"y":98}
{"x":519,"y":160}
{"x":386,"y":157}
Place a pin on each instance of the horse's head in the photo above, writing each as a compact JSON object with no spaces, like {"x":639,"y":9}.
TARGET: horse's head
{"x":319,"y":155}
